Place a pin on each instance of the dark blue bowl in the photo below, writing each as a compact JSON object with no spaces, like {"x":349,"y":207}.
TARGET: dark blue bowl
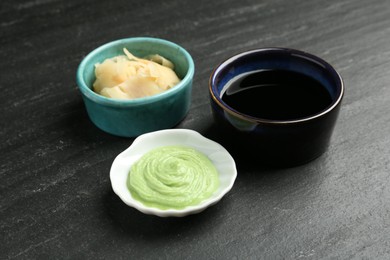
{"x":276,"y":142}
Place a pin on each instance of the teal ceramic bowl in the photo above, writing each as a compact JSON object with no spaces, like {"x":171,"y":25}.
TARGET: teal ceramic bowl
{"x":131,"y":118}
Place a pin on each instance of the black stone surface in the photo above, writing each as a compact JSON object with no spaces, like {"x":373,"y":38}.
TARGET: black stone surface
{"x":56,"y":200}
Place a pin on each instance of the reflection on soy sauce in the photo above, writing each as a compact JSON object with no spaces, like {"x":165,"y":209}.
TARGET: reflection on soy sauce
{"x":276,"y":95}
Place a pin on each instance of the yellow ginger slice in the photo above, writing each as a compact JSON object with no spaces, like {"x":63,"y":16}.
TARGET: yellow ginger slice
{"x":128,"y":77}
{"x":160,"y":60}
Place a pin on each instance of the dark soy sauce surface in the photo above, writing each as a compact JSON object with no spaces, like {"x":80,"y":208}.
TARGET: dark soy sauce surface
{"x":276,"y":95}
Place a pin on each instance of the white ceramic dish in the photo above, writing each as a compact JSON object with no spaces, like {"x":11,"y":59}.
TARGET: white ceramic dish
{"x":220,"y":157}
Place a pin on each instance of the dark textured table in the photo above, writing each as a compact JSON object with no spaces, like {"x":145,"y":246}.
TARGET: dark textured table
{"x":56,"y":201}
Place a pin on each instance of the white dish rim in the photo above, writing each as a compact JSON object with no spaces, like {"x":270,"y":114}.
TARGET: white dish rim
{"x":220,"y":157}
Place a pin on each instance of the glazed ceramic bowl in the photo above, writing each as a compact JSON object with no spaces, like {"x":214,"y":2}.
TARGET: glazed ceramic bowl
{"x":218,"y":155}
{"x":130,"y":118}
{"x":275,"y":142}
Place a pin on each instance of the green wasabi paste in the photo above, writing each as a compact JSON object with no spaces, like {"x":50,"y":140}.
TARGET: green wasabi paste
{"x":172,"y":177}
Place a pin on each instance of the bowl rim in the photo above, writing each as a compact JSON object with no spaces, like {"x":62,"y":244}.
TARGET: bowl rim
{"x":97,"y":98}
{"x":302,"y":54}
{"x":187,"y":136}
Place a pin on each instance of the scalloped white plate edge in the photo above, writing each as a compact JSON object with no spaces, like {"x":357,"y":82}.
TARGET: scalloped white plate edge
{"x":220,"y":157}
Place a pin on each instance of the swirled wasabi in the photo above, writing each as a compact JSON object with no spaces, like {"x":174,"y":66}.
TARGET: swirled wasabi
{"x":172,"y":177}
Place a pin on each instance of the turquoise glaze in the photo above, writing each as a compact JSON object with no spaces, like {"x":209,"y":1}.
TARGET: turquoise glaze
{"x":131,"y":118}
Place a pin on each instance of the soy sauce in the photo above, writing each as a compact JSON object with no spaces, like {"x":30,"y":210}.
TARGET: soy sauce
{"x":276,"y":95}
